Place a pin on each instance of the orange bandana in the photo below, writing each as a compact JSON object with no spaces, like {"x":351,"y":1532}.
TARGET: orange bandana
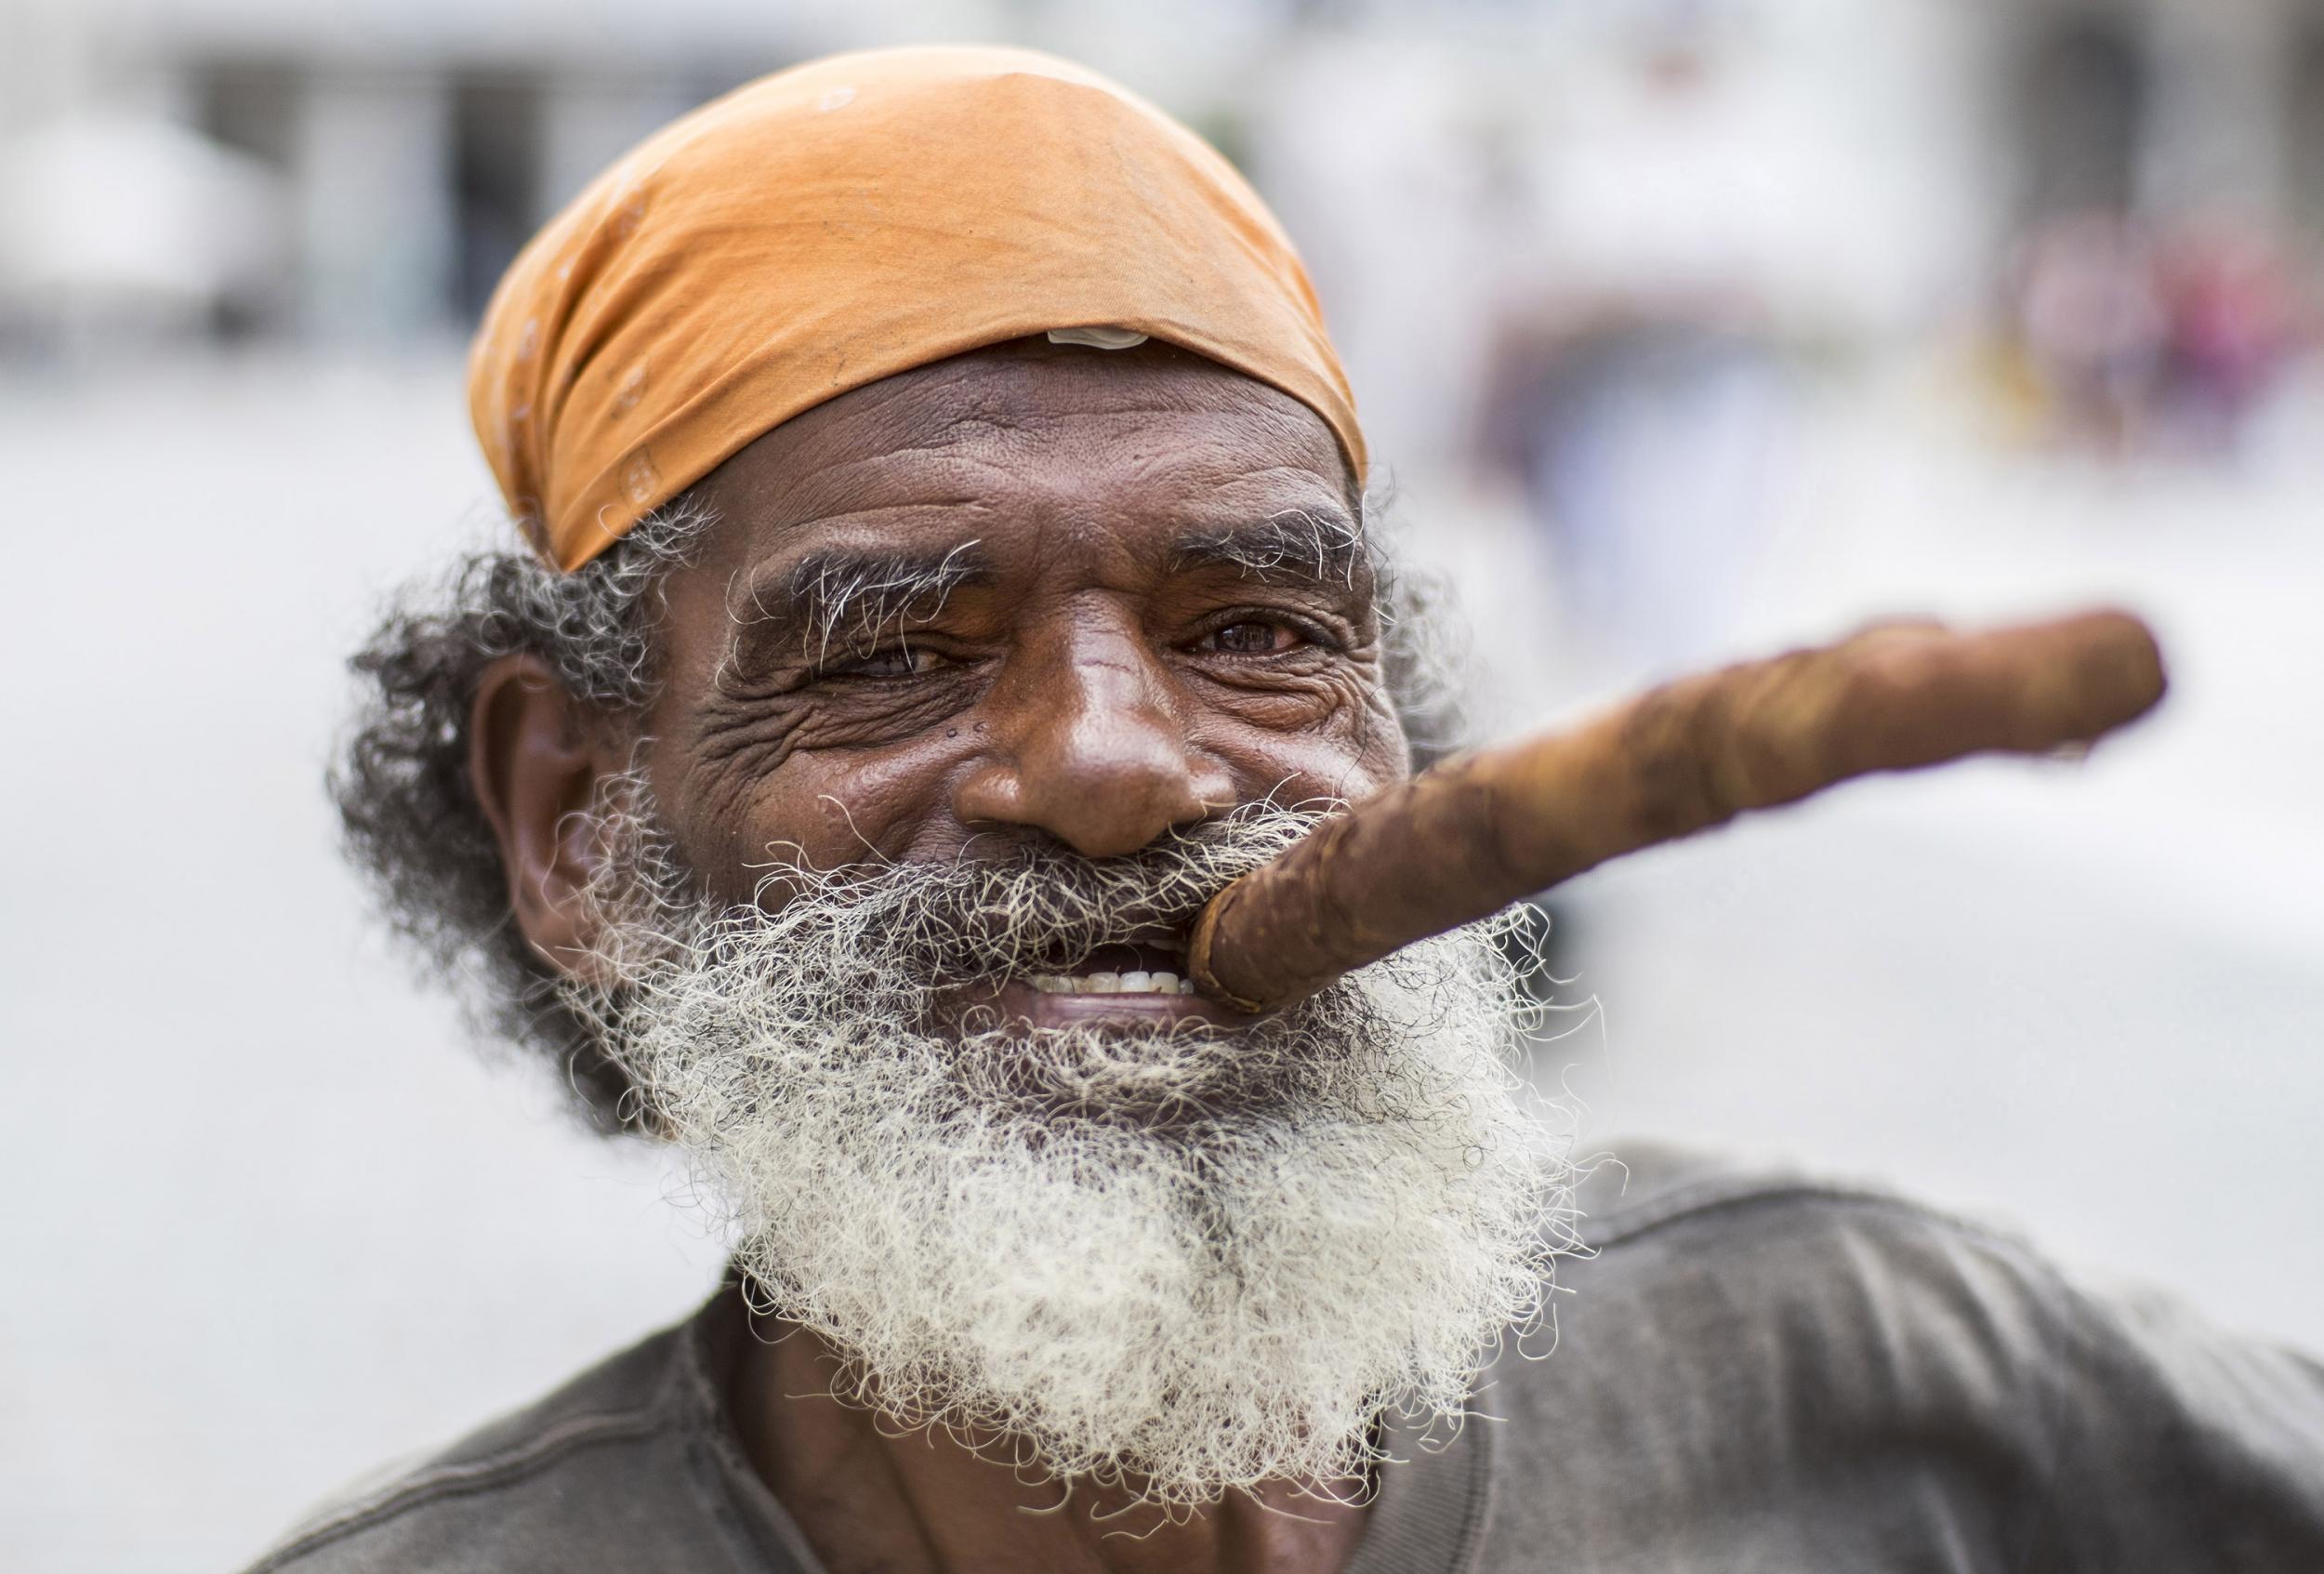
{"x":847,"y":219}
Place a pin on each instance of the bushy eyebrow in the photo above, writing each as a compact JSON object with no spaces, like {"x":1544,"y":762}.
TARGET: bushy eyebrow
{"x":1321,"y":546}
{"x":847,"y":597}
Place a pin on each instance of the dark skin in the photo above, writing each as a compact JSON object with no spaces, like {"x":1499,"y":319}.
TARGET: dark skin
{"x":1082,"y":641}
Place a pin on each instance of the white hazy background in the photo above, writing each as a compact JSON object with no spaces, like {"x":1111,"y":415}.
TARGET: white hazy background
{"x":1688,"y":329}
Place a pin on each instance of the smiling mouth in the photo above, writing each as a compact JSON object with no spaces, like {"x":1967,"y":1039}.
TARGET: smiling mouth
{"x":1121,"y":970}
{"x":1142,"y":984}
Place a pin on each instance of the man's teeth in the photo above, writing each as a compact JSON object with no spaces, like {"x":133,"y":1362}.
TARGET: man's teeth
{"x":1113,"y":983}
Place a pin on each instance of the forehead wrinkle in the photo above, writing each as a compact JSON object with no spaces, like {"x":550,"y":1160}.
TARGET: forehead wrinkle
{"x":1010,"y":395}
{"x":1273,"y":454}
{"x":938,"y":411}
{"x":973,"y":426}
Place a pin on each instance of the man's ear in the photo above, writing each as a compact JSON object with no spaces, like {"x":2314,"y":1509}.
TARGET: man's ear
{"x":536,"y":757}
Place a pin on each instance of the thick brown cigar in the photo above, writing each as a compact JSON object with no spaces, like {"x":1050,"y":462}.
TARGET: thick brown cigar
{"x":1482,"y":829}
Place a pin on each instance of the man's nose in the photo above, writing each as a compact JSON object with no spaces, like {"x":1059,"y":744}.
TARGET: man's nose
{"x":1085,"y":746}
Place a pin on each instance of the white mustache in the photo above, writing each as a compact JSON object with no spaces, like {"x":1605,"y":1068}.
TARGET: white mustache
{"x":1039,"y":910}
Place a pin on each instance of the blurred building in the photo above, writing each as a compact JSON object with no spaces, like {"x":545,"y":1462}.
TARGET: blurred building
{"x":413,"y":143}
{"x":410,"y":145}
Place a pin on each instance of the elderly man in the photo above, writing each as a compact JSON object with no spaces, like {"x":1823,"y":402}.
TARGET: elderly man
{"x":948,"y":571}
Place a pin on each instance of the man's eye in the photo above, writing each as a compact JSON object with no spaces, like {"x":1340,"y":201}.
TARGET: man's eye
{"x":1254,"y":639}
{"x":897,"y":661}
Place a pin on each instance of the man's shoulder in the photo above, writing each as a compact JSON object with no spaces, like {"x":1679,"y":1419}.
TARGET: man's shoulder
{"x":555,"y":1485}
{"x":1648,"y":1199}
{"x":1826,"y":1371}
{"x":1639,"y":1186}
{"x":1764,"y":1274}
{"x":1746,"y":1355}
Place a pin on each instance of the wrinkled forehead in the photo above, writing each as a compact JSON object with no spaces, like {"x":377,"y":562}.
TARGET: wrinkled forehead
{"x":1153,"y":432}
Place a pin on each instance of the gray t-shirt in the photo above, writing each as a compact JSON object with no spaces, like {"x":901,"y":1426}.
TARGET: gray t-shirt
{"x":1754,"y":1371}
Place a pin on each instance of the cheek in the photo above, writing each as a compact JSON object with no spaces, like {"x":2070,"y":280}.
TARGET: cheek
{"x":1355,"y":750}
{"x":826,"y":808}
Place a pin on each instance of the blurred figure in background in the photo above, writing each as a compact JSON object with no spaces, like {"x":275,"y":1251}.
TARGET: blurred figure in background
{"x":1640,"y":383}
{"x":2149,"y":314}
{"x":2232,"y":329}
{"x":2133,"y":345}
{"x":2091,"y":326}
{"x":1644,"y":443}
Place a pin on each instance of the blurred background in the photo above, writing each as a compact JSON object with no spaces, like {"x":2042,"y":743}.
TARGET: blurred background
{"x":1685,"y":328}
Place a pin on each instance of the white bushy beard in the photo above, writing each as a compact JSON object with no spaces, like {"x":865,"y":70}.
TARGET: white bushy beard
{"x":1175,"y":1262}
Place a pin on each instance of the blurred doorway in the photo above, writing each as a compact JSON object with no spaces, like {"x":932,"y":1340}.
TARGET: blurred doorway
{"x":2306,"y":140}
{"x":497,"y":163}
{"x":2087,"y":94}
{"x":252,"y":107}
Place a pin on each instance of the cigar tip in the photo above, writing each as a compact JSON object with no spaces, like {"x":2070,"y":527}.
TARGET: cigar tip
{"x":1199,"y":946}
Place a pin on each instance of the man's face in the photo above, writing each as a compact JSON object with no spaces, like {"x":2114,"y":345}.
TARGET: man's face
{"x":1039,"y":594}
{"x":989,"y":675}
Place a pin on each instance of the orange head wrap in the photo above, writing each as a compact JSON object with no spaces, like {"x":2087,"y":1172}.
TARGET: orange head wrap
{"x":847,"y":219}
